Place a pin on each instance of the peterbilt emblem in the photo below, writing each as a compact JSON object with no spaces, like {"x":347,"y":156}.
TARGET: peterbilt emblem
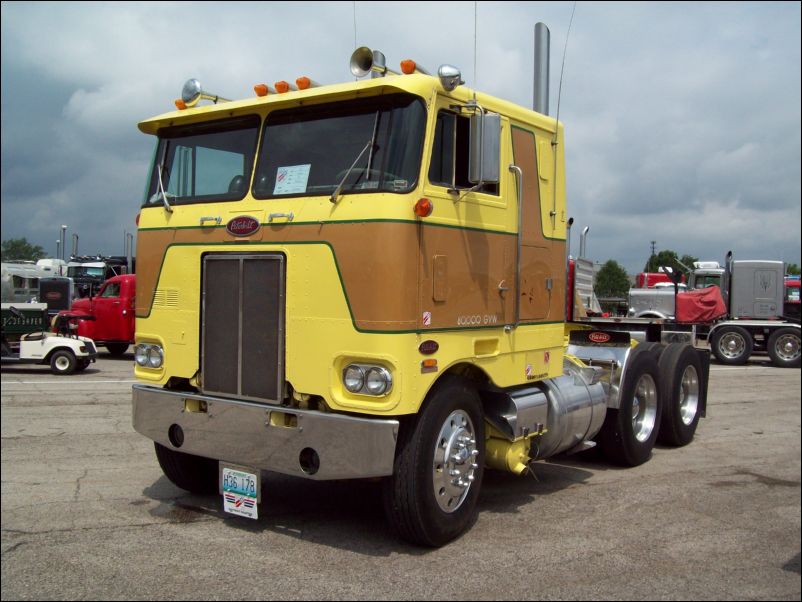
{"x":242,"y":225}
{"x":599,"y":337}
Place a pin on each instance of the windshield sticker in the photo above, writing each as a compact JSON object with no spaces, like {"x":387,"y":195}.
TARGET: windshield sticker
{"x":292,"y":179}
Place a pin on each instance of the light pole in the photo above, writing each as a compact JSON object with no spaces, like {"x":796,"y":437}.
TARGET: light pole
{"x":63,"y":240}
{"x":58,"y":248}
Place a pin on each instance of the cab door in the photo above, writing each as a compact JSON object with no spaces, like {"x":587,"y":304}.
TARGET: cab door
{"x":107,"y":307}
{"x":467,"y":249}
{"x":542,"y":294}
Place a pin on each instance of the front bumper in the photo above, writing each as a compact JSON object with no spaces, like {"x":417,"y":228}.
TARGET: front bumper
{"x":267,"y":437}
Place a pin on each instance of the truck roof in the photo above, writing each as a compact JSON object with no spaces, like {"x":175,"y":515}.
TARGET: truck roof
{"x":421,"y":85}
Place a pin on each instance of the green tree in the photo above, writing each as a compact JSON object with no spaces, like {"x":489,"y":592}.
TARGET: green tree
{"x":792,"y":269}
{"x":611,"y":281}
{"x":19,"y":249}
{"x":671,"y":259}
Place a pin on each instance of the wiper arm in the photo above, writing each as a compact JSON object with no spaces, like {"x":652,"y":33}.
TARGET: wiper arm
{"x":336,"y":194}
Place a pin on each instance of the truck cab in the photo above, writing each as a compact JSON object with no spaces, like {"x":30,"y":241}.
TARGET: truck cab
{"x":113,"y":311}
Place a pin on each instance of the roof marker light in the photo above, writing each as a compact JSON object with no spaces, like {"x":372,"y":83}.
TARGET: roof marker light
{"x":263,"y":90}
{"x":409,"y":66}
{"x":282,"y":87}
{"x":180,"y":104}
{"x":304,"y":83}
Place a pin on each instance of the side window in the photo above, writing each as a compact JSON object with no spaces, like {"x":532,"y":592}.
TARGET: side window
{"x":450,"y":153}
{"x":111,"y":290}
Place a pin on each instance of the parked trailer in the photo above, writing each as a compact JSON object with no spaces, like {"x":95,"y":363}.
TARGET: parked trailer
{"x":368,"y":280}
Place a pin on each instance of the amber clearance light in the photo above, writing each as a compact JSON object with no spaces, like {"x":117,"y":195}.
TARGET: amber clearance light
{"x":424,"y":207}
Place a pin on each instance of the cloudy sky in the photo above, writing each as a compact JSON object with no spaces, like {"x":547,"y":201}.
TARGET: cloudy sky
{"x":682,"y":119}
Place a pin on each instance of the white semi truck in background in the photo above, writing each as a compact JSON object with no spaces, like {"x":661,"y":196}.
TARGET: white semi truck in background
{"x":756,"y":317}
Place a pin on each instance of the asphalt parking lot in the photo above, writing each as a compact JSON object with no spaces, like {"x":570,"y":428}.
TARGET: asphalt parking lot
{"x":87,"y":513}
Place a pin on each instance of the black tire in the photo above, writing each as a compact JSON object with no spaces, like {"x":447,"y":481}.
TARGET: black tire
{"x":629,"y":433}
{"x":63,"y":362}
{"x":784,"y":348}
{"x":425,"y":502}
{"x":680,"y":394}
{"x":732,"y":345}
{"x":192,"y":473}
{"x":117,"y":349}
{"x":82,"y":365}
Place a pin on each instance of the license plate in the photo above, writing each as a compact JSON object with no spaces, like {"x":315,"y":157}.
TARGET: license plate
{"x":240,"y":487}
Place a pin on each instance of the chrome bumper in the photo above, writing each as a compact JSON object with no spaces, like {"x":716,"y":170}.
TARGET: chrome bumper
{"x":267,"y":437}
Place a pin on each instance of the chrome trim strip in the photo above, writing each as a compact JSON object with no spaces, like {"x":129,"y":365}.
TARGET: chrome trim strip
{"x":241,"y":432}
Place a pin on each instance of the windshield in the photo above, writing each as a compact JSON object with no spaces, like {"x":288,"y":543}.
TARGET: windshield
{"x":309,"y":150}
{"x":204,"y":162}
{"x":80,"y":272}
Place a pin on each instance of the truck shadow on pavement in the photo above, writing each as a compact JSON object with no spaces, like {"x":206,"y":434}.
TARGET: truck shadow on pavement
{"x":348,"y":515}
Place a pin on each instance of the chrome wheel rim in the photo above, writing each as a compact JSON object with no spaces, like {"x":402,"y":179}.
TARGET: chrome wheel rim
{"x":454,"y":465}
{"x":732,"y":345}
{"x":644,"y":408}
{"x":689,"y":395}
{"x":787,"y":347}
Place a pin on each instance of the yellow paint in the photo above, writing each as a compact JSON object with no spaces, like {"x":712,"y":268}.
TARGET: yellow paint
{"x":321,"y":338}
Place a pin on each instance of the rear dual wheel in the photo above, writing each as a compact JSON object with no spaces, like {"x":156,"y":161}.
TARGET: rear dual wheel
{"x":629,"y":433}
{"x":681,"y":394}
{"x":784,"y":348}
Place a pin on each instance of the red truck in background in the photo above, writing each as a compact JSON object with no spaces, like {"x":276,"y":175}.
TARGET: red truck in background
{"x":113,"y":311}
{"x":650,"y":279}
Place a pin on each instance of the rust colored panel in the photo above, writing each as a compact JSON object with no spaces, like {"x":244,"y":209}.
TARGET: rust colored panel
{"x":523,"y":144}
{"x":440,"y":275}
{"x":378,"y":263}
{"x":478,"y":263}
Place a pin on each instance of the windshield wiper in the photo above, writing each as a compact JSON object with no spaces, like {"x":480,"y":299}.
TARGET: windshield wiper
{"x":335,"y":195}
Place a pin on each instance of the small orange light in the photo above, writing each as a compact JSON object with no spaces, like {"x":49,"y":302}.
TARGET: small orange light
{"x":408,"y":66}
{"x":304,"y":83}
{"x":261,"y":89}
{"x":282,"y":87}
{"x":180,"y":104}
{"x":427,"y":366}
{"x":424,"y":207}
{"x":137,"y":218}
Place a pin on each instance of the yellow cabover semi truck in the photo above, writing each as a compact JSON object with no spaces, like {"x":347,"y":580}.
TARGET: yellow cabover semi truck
{"x":368,"y":280}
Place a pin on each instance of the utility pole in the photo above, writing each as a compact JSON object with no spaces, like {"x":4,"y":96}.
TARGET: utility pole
{"x":654,"y":243}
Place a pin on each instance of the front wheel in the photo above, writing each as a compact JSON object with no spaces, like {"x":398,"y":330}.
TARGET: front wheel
{"x":431,"y":497}
{"x":784,"y":349}
{"x":63,"y":361}
{"x":629,"y":433}
{"x":117,"y":349}
{"x":192,"y":473}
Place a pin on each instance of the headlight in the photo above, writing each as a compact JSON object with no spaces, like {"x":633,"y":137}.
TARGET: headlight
{"x":141,"y":354}
{"x":367,"y":380}
{"x":354,"y":378}
{"x":149,"y":356}
{"x":155,"y":356}
{"x":378,"y":381}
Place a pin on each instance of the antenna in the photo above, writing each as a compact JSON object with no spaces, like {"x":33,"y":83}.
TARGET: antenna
{"x":475,"y":21}
{"x":557,"y":123}
{"x":562,"y":68}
